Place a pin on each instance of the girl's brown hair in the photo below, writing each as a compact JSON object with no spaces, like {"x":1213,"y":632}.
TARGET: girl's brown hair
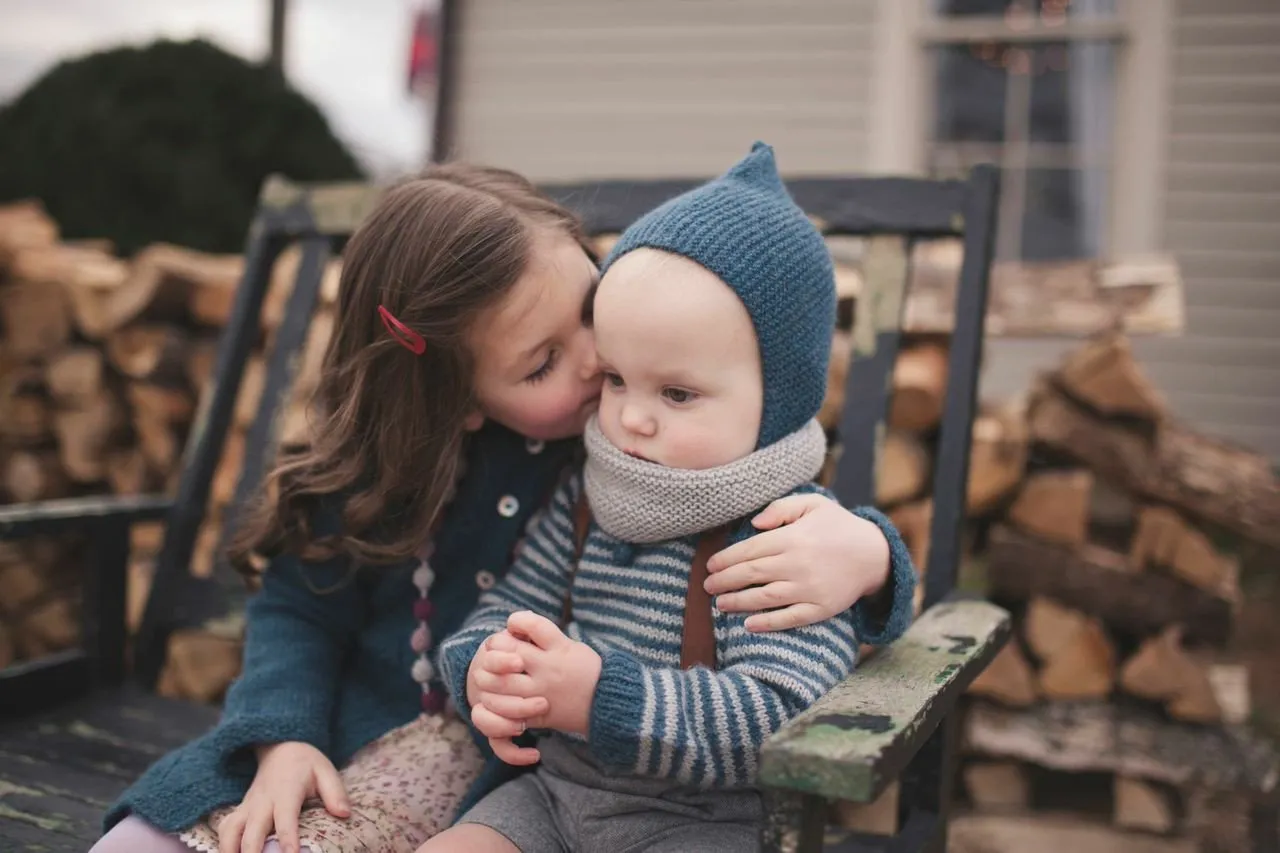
{"x":388,"y":425}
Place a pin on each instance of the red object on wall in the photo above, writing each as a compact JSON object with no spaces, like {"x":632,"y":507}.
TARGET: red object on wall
{"x":424,"y":51}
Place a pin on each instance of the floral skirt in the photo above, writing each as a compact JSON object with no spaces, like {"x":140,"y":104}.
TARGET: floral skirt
{"x":403,"y":788}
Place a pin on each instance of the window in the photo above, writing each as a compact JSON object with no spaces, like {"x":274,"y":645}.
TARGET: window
{"x":1029,"y":85}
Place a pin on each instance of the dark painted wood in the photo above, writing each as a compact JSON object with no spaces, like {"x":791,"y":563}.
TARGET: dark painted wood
{"x":921,"y":832}
{"x":793,"y":823}
{"x":20,"y":521}
{"x":951,"y":471}
{"x":103,"y":625}
{"x":45,"y":682}
{"x":910,"y":206}
{"x":448,"y":49}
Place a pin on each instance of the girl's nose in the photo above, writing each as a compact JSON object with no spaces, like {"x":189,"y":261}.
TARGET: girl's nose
{"x":588,"y":361}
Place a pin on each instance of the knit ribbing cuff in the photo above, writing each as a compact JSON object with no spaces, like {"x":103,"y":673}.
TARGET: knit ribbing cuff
{"x":246,"y":731}
{"x":455,"y":662}
{"x":616,"y":711}
{"x":884,"y":617}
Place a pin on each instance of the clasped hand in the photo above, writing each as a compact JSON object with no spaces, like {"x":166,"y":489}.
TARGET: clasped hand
{"x":530,"y":676}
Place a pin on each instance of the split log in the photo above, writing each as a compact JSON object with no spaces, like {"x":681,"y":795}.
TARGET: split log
{"x":76,"y":266}
{"x":35,"y":476}
{"x":157,"y":442}
{"x":227,"y":475}
{"x":1008,"y":679}
{"x":202,"y":354}
{"x":1164,"y":539}
{"x":84,"y":434}
{"x":913,"y":521}
{"x":22,"y":581}
{"x":162,"y":403}
{"x":158,"y":290}
{"x":36,"y":319}
{"x":49,"y":627}
{"x":7,"y":651}
{"x":1162,"y":670}
{"x":1065,"y":833}
{"x":998,"y":786}
{"x":296,"y":429}
{"x":146,"y":538}
{"x":75,"y":375}
{"x":1210,"y":479}
{"x":149,"y":353}
{"x":204,"y":554}
{"x":919,"y":387}
{"x":214,"y":280}
{"x":998,"y":457}
{"x":1054,"y":505}
{"x":1142,"y":806}
{"x":1078,"y":660}
{"x":320,"y":333}
{"x":1116,"y":737}
{"x":199,"y":666}
{"x":1102,"y":584}
{"x":25,"y":416}
{"x":904,"y":469}
{"x":1103,"y":375}
{"x":127,"y":471}
{"x":138,"y":587}
{"x":249,"y":396}
{"x":24,"y":224}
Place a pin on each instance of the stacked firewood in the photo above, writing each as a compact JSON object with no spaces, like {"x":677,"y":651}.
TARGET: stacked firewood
{"x":102,"y":363}
{"x":1117,"y":555}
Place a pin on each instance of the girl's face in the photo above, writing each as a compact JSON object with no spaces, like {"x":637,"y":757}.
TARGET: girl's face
{"x":536,"y":368}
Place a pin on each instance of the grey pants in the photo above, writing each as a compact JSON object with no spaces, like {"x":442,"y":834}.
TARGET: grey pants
{"x":568,"y":805}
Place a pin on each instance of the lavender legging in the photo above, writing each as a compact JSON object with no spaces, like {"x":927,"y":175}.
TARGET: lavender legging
{"x":135,"y":835}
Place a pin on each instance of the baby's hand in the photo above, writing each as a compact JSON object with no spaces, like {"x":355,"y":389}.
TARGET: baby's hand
{"x":501,"y":703}
{"x":559,"y":667}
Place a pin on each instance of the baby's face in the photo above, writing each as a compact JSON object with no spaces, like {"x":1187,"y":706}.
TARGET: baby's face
{"x":683,"y":385}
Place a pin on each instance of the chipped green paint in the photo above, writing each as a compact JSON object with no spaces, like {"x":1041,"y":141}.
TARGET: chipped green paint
{"x":884,"y":276}
{"x":8,"y":788}
{"x":49,"y":823}
{"x":337,"y":208}
{"x":957,"y":222}
{"x":859,"y":736}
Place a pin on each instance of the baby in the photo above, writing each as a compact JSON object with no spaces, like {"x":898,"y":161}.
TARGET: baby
{"x":713,"y":324}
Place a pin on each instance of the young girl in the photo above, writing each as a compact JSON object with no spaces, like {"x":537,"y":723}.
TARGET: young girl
{"x":461,"y":372}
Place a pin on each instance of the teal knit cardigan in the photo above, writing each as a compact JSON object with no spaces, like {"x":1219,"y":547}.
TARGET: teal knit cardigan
{"x":331,"y":668}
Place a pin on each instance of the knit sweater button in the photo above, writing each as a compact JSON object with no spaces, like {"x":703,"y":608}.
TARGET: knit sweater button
{"x":421,"y":639}
{"x":423,"y":609}
{"x":485,"y":580}
{"x":508,"y":506}
{"x":423,"y":671}
{"x":534,"y":446}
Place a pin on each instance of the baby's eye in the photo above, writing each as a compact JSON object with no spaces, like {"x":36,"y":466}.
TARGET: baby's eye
{"x":678,"y":395}
{"x":614,"y":380}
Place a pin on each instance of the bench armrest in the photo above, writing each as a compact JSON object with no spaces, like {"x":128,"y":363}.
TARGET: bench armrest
{"x":21,"y":521}
{"x":859,"y":737}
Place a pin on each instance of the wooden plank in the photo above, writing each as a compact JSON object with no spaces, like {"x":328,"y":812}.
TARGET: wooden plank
{"x":1059,"y":833}
{"x":857,"y":738}
{"x":1100,"y":583}
{"x":1115,"y":737}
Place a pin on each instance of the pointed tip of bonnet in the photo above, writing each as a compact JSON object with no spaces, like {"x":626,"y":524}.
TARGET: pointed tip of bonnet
{"x":759,"y":167}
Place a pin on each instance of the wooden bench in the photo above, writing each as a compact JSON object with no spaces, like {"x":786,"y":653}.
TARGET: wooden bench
{"x":78,"y":726}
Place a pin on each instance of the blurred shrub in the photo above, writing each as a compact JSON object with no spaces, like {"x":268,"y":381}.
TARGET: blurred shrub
{"x":170,"y":141}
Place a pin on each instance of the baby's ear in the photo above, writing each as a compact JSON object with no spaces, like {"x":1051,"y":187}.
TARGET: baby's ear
{"x":473,"y":421}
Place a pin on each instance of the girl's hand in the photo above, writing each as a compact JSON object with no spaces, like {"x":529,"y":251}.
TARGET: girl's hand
{"x":288,"y":773}
{"x":814,"y":561}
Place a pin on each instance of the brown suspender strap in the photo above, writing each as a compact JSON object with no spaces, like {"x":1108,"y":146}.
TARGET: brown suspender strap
{"x":698,"y":643}
{"x":581,"y":526}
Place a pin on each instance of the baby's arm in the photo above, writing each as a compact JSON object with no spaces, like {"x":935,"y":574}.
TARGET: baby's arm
{"x":706,"y":728}
{"x":538,"y":581}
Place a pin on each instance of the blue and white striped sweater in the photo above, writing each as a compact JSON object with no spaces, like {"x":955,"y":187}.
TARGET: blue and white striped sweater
{"x":649,"y":717}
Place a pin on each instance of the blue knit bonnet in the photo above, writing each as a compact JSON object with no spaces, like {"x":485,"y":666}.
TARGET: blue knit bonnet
{"x":744,"y":227}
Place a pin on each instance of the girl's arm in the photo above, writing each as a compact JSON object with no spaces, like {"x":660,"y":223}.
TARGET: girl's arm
{"x":814,"y":559}
{"x":297,"y":625}
{"x":538,"y":581}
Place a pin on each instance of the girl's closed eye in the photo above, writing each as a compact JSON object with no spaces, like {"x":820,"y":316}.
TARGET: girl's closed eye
{"x":679,"y":396}
{"x":544,"y":369}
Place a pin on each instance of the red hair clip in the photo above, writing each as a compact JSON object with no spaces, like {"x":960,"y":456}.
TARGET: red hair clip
{"x":405,"y":336}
